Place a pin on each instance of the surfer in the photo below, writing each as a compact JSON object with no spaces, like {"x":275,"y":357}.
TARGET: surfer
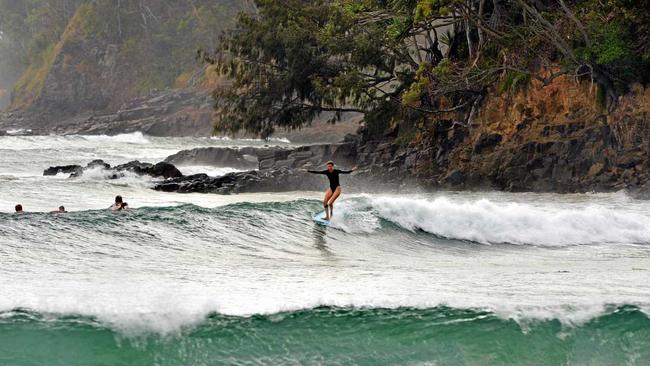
{"x":119,"y":204}
{"x":19,"y":209}
{"x":60,"y":210}
{"x":334,"y":191}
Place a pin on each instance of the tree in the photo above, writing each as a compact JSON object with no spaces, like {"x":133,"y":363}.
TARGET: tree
{"x":409,"y":60}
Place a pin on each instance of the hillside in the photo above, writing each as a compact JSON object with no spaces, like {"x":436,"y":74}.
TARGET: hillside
{"x":106,"y":53}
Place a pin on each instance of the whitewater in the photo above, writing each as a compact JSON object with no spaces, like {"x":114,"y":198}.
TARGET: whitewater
{"x":450,"y":278}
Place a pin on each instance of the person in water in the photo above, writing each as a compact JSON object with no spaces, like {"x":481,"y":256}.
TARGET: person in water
{"x":60,"y":210}
{"x":334,"y":191}
{"x":19,"y":209}
{"x":119,"y":204}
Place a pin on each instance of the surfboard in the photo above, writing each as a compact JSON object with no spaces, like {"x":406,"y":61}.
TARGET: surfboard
{"x":319,"y":218}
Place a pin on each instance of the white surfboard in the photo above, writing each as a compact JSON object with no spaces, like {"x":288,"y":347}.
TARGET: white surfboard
{"x":319,"y":218}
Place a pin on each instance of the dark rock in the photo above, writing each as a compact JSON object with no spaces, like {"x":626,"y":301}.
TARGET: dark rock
{"x":66,"y":169}
{"x":486,"y":142}
{"x":266,"y":164}
{"x":136,"y":167}
{"x":98,"y":163}
{"x":165,"y":170}
{"x":455,"y":178}
{"x":245,"y":158}
{"x":162,"y":169}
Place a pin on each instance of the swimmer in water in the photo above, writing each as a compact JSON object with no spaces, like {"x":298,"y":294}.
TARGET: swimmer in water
{"x":119,"y":204}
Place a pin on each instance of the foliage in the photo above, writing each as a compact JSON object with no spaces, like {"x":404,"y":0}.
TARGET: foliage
{"x":157,"y":39}
{"x":400,"y":59}
{"x":32,"y":80}
{"x":514,"y":81}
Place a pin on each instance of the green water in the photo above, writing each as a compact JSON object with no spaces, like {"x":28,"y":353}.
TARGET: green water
{"x":334,"y":336}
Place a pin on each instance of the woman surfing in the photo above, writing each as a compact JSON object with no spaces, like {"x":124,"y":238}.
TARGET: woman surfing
{"x":334,"y":191}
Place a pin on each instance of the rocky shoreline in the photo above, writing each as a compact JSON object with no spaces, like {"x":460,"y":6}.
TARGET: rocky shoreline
{"x":172,"y":112}
{"x":546,"y":139}
{"x":162,"y":113}
{"x":265,"y":169}
{"x":383,"y":166}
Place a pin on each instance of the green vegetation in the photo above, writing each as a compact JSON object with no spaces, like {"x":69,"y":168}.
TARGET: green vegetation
{"x":29,"y":30}
{"x":514,"y":81}
{"x":404,"y":61}
{"x":32,"y":80}
{"x":156,"y":41}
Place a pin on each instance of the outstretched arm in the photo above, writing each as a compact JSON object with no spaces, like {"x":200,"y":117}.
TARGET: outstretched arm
{"x":317,"y":171}
{"x":348,"y":171}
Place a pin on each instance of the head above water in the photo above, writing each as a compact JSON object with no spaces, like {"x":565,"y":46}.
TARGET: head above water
{"x":61,"y":209}
{"x":330,"y":165}
{"x":19,"y":208}
{"x":118,"y":199}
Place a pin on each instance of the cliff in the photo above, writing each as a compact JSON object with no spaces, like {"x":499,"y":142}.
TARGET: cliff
{"x":111,"y":53}
{"x":543,"y":138}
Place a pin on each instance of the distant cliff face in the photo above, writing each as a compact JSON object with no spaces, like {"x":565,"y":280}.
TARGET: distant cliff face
{"x":111,"y":52}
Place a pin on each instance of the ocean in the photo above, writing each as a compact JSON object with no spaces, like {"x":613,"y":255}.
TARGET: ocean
{"x":437,"y":278}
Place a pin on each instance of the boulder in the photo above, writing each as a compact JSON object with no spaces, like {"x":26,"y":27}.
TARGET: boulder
{"x":66,"y":169}
{"x":217,"y":156}
{"x":98,"y":163}
{"x":136,"y":167}
{"x":165,"y":170}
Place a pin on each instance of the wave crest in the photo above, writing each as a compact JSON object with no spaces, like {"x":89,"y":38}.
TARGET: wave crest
{"x":487,"y":222}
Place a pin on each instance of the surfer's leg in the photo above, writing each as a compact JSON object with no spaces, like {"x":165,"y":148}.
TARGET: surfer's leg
{"x":328,"y":195}
{"x":333,"y":199}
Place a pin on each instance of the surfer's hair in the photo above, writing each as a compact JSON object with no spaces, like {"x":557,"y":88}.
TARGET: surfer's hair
{"x":61,"y":208}
{"x":118,"y":199}
{"x":19,"y":208}
{"x":330,"y":163}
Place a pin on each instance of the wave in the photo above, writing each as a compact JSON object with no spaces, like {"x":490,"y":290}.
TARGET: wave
{"x":282,"y":140}
{"x":18,"y":132}
{"x":479,"y":221}
{"x":330,"y":335}
{"x":207,"y":169}
{"x":128,"y":138}
{"x":487,"y":222}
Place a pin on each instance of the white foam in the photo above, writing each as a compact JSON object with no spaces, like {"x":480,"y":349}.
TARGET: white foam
{"x":488,"y":222}
{"x":282,"y":140}
{"x":212,"y":171}
{"x":350,"y":217}
{"x":18,"y":131}
{"x":121,"y":178}
{"x":128,"y":138}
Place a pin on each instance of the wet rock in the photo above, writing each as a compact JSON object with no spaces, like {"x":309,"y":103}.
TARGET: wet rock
{"x":66,"y":169}
{"x":136,"y":167}
{"x":455,"y":178}
{"x":164,"y":170}
{"x":243,"y":158}
{"x":275,"y":180}
{"x":98,"y":164}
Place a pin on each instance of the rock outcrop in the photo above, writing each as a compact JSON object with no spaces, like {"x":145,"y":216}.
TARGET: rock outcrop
{"x":163,"y":113}
{"x":545,"y":139}
{"x":278,"y":169}
{"x":160,"y":170}
{"x":63,"y":169}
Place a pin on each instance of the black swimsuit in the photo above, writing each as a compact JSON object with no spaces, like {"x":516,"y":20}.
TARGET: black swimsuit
{"x":332,"y":176}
